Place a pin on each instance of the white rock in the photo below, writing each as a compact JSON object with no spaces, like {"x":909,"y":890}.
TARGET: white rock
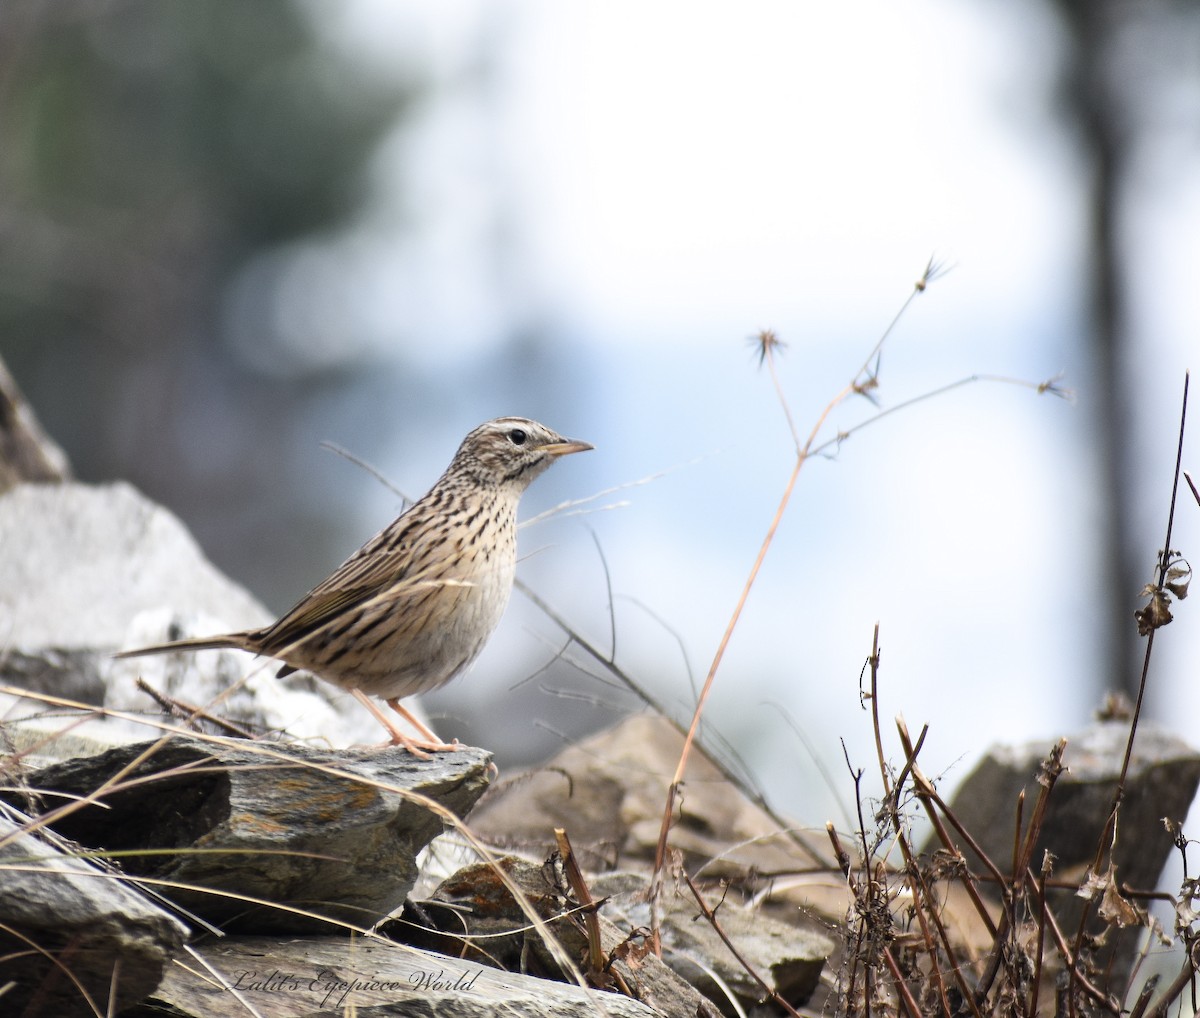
{"x":89,"y":570}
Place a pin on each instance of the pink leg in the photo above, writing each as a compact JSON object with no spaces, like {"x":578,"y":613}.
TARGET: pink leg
{"x":396,"y":737}
{"x":429,"y":741}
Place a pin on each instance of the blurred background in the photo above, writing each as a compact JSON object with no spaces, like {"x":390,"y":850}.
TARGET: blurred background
{"x":230,"y":232}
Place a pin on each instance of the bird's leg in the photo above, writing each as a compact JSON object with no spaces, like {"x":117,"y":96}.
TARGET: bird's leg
{"x":429,"y":740}
{"x":398,"y":738}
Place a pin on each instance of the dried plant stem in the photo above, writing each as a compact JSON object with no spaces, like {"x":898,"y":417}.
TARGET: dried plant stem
{"x":906,"y":997}
{"x":1181,"y":982}
{"x":689,"y":738}
{"x":935,"y":809}
{"x":1041,"y":942}
{"x":1143,"y":1000}
{"x":711,"y":915}
{"x":941,"y":390}
{"x":1107,"y":839}
{"x":802,"y":455}
{"x":1051,"y":769}
{"x":925,"y":908}
{"x":579,"y":888}
{"x":1119,"y":793}
{"x":189,"y":712}
{"x":863,"y":382}
{"x":1069,"y":959}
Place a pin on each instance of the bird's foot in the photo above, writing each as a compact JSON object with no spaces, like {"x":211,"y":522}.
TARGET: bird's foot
{"x":421,"y":748}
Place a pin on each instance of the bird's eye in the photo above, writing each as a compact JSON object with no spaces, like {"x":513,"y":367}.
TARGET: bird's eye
{"x":517,"y":436}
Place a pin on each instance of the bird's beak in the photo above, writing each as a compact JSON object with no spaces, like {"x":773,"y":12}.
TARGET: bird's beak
{"x":566,"y":447}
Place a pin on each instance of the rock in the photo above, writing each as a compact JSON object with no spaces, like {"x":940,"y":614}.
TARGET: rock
{"x":80,"y":563}
{"x":100,"y":936}
{"x":26,"y":451}
{"x":477,"y":918}
{"x":787,"y":957}
{"x":1163,"y":776}
{"x":608,"y":792}
{"x":330,"y":977}
{"x":92,"y":569}
{"x":476,"y":902}
{"x":333,"y":834}
{"x":651,"y":980}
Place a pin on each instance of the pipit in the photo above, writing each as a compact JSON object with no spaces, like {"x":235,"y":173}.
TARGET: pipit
{"x":414,"y":605}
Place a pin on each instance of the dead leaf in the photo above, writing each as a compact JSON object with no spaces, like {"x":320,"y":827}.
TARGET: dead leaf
{"x":632,"y":953}
{"x":1118,"y":910}
{"x":1178,"y":579}
{"x":1157,"y":612}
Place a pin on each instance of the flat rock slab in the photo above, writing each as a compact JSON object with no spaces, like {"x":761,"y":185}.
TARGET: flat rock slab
{"x":270,"y":826}
{"x":330,"y":977}
{"x":70,"y":932}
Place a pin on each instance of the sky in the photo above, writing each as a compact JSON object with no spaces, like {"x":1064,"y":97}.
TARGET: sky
{"x":662,"y":181}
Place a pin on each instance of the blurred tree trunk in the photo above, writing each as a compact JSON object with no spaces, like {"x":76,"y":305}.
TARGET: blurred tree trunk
{"x":1106,"y":142}
{"x":1124,"y":57}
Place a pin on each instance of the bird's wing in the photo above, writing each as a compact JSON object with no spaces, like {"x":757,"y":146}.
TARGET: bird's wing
{"x":384,"y":566}
{"x":318,"y":610}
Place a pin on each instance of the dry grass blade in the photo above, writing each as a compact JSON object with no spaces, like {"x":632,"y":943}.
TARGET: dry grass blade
{"x":579,"y":888}
{"x":88,"y":1000}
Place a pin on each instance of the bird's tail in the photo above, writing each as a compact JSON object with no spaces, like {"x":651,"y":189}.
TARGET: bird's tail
{"x":234,"y":641}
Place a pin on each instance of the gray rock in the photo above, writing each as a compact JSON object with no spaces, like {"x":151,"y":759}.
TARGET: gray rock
{"x":92,"y":569}
{"x":80,"y":562}
{"x":787,"y":957}
{"x":85,"y":559}
{"x":333,"y":834}
{"x":475,"y":916}
{"x":99,"y":935}
{"x":1163,"y":776}
{"x":330,"y":977}
{"x":608,"y":792}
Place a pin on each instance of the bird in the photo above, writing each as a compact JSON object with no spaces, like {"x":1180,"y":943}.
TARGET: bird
{"x":414,"y":606}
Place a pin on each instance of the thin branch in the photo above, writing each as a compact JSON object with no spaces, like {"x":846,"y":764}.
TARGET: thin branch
{"x":562,"y":507}
{"x":660,"y":708}
{"x":583,"y":895}
{"x":612,"y":611}
{"x":711,"y":915}
{"x":1040,"y":387}
{"x":815,"y":758}
{"x":369,"y":468}
{"x":1108,"y":835}
{"x":189,"y":712}
{"x":1192,"y":484}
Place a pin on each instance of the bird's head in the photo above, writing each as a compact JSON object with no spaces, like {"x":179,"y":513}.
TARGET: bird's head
{"x":512,"y":451}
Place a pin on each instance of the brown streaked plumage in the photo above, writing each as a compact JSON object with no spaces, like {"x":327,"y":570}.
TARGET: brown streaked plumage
{"x":414,"y":605}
